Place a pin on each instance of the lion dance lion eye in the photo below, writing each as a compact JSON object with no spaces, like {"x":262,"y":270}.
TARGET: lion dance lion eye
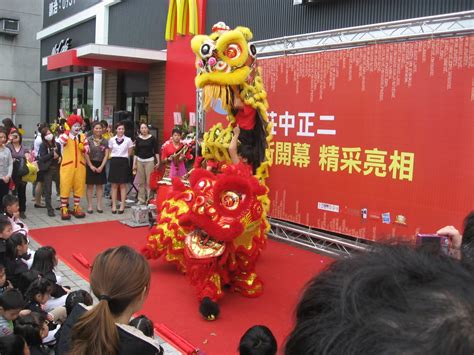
{"x":230,"y":200}
{"x":206,"y":50}
{"x":233,"y":51}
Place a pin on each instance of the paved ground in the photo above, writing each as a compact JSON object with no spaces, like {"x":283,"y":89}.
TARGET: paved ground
{"x":38,"y":218}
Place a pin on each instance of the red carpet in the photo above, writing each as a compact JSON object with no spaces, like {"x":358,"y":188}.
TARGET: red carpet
{"x":283,"y":268}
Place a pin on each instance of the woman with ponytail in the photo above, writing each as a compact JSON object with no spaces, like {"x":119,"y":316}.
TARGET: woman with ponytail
{"x":103,"y":329}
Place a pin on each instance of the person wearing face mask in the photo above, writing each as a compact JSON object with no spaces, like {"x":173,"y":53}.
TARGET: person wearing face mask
{"x":49,"y":158}
{"x":72,"y":172}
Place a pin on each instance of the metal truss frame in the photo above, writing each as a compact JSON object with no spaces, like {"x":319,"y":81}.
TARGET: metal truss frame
{"x":326,"y":243}
{"x":454,"y":24}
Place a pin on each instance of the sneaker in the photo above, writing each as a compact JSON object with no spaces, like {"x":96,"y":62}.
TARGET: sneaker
{"x":65,"y":213}
{"x":51,"y":213}
{"x":77,"y":212}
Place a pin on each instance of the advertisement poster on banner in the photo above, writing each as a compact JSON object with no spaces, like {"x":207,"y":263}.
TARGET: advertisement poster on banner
{"x":374,"y":142}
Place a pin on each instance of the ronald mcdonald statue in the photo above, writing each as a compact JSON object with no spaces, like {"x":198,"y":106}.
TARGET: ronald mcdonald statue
{"x":72,"y":173}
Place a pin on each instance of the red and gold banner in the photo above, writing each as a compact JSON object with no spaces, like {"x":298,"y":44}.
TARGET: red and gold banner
{"x":376,"y":141}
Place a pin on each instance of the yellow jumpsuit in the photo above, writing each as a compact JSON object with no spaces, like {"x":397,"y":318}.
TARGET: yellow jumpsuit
{"x":72,"y":173}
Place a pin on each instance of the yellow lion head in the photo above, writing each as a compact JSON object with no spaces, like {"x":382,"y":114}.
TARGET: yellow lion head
{"x":224,"y":58}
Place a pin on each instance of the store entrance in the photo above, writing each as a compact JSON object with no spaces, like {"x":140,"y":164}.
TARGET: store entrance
{"x":137,"y":104}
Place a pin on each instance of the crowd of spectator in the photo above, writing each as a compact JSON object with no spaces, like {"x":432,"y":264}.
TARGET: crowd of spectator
{"x":113,"y":163}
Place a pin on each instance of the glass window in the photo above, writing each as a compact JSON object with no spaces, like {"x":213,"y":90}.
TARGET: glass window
{"x":78,"y":98}
{"x":53,"y":112}
{"x":64,"y":95}
{"x":90,"y":90}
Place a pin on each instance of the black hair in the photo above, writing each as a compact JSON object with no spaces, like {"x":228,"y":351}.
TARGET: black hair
{"x":12,"y":345}
{"x":2,"y":267}
{"x":258,"y":340}
{"x":8,"y":125}
{"x":144,"y":324}
{"x":76,"y":297}
{"x":177,"y":130}
{"x":97,"y":123}
{"x":16,"y":239}
{"x":4,"y":222}
{"x":29,"y":327}
{"x":104,"y":124}
{"x":9,"y":200}
{"x":390,"y":300}
{"x":26,"y":279}
{"x":11,"y":299}
{"x":44,"y":260}
{"x":87,"y":124}
{"x":467,"y":246}
{"x":39,"y":286}
{"x":4,"y":131}
{"x":120,"y":123}
{"x":468,"y":233}
{"x":248,"y":152}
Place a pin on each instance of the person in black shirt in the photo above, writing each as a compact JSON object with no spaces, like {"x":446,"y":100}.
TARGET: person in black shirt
{"x":146,"y":159}
{"x":104,"y":327}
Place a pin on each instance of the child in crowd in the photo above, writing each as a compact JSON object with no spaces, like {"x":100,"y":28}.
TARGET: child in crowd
{"x":25,"y":280}
{"x":4,"y":283}
{"x":37,"y":294}
{"x":5,"y":233}
{"x":11,"y":208}
{"x":144,"y":324}
{"x":33,"y":328}
{"x":17,"y":247}
{"x":13,"y":344}
{"x":258,"y":340}
{"x":76,"y":297}
{"x":44,"y":262}
{"x":11,"y":303}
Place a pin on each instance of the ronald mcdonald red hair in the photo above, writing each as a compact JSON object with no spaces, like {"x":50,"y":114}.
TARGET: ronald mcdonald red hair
{"x":72,"y":119}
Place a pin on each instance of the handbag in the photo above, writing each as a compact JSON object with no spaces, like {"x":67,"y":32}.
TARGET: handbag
{"x":32,"y":172}
{"x":19,"y":167}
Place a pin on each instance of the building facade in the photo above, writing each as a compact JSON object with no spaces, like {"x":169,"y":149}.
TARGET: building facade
{"x":110,"y":57}
{"x":20,"y":88}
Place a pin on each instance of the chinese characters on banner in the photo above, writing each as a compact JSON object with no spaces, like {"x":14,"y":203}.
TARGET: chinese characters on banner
{"x":55,"y":6}
{"x":376,"y":141}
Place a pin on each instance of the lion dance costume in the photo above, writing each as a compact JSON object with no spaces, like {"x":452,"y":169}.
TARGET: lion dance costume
{"x":72,"y":173}
{"x":213,"y":227}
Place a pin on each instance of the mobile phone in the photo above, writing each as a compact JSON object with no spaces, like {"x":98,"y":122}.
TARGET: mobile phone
{"x":433,"y":243}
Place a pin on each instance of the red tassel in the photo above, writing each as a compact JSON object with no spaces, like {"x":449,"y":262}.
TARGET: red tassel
{"x":82,"y":260}
{"x":182,"y":344}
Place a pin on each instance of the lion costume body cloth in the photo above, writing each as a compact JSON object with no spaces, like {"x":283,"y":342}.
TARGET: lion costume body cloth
{"x":213,"y":227}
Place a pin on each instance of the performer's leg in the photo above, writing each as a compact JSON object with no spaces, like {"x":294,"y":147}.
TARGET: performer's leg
{"x":99,"y":193}
{"x":65,"y":186}
{"x":79,"y":183}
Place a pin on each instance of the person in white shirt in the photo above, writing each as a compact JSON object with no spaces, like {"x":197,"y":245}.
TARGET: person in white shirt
{"x":119,"y":175}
